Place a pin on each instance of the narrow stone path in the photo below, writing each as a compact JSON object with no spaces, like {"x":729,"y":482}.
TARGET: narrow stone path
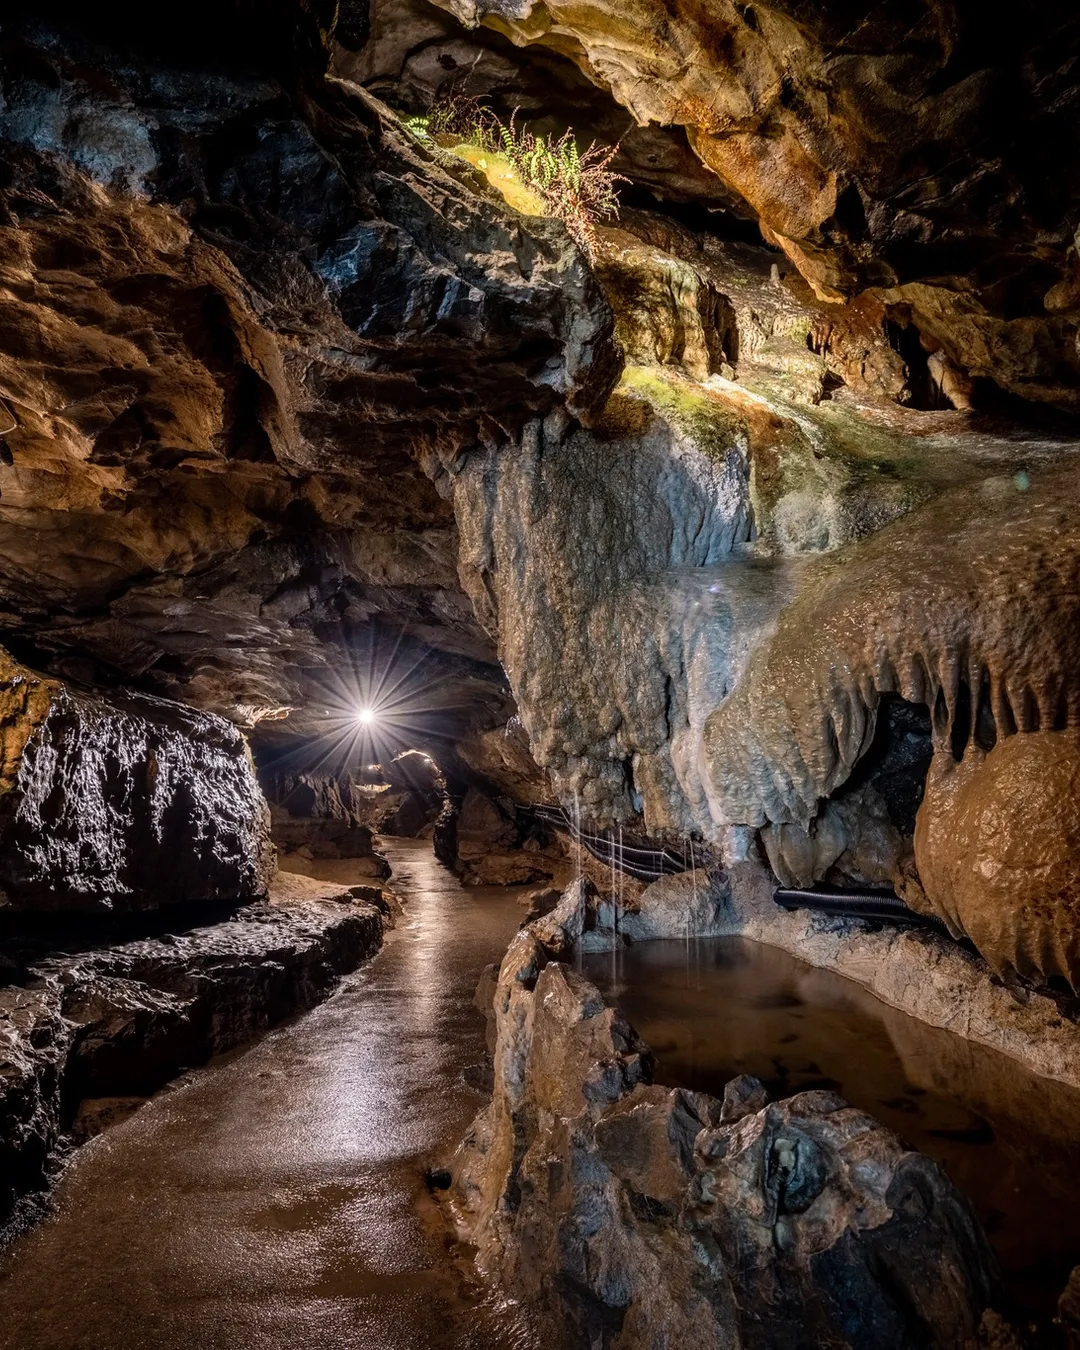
{"x":276,"y":1199}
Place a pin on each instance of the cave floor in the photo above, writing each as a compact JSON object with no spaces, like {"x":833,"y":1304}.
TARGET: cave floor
{"x":277,"y":1198}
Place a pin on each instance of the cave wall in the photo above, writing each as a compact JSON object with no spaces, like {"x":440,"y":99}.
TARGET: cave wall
{"x":742,"y":534}
{"x":246,"y":321}
{"x":286,"y":382}
{"x":923,"y":151}
{"x":120,"y":803}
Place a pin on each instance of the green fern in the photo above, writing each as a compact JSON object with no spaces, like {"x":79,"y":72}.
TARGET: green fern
{"x":577,"y":187}
{"x":419,"y":126}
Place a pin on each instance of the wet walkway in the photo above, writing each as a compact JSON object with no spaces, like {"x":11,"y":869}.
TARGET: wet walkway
{"x":275,"y":1200}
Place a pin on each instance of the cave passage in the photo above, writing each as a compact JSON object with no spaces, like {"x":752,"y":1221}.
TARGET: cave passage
{"x":626,"y":449}
{"x":277,"y":1198}
{"x":712,"y":1008}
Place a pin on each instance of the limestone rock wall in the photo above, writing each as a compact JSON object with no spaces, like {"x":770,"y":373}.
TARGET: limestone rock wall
{"x":915,"y":149}
{"x":283,"y":381}
{"x":554,"y":531}
{"x":714,"y":603}
{"x":123,"y":802}
{"x":241,"y":309}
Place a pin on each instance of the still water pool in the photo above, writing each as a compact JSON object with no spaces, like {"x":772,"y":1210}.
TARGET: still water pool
{"x":716,"y":1007}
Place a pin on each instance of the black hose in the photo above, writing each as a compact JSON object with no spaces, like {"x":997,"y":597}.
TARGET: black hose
{"x":882,"y":906}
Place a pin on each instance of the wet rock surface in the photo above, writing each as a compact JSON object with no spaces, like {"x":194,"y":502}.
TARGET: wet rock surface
{"x":711,"y":603}
{"x":294,"y":406}
{"x":831,"y":126}
{"x":712,"y":1009}
{"x":123,"y":802}
{"x":645,"y":1216}
{"x":277,"y":1198}
{"x":320,"y":816}
{"x":1006,"y":878}
{"x":257,"y":429}
{"x":89,"y":1012}
{"x":243,"y":308}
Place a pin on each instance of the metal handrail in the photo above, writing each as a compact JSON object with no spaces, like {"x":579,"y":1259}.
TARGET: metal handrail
{"x":635,"y":859}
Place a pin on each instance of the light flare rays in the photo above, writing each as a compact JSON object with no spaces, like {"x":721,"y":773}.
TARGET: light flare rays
{"x":374,"y":704}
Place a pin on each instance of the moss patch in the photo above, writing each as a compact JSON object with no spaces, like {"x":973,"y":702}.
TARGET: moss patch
{"x":704,"y":417}
{"x":502,"y":176}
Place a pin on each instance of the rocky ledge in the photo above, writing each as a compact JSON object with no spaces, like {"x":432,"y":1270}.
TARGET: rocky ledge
{"x":638,"y":1216}
{"x":93,"y":1020}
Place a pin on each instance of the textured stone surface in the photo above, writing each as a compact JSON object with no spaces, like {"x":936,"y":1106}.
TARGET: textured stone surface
{"x":319,"y":815}
{"x":660,"y":667}
{"x":645,"y":1216}
{"x":113,"y":1017}
{"x":663,"y":666}
{"x":123,"y":802}
{"x":968,"y":606}
{"x":593,"y":519}
{"x":496,"y":845}
{"x":997,"y":846}
{"x":896,"y":146}
{"x":224,"y":384}
{"x":418,"y":53}
{"x":240,"y":408}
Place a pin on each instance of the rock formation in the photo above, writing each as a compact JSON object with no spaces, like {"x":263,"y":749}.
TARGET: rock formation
{"x":996,"y":848}
{"x":123,"y":802}
{"x":240,"y":413}
{"x":223,"y":385}
{"x":753,"y":532}
{"x":904,"y":149}
{"x":643,"y":1216}
{"x":319,"y":816}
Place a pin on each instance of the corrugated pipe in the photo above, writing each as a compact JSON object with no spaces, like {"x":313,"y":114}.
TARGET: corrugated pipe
{"x":882,"y":906}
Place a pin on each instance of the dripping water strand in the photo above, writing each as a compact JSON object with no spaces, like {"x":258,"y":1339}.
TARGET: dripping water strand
{"x":575,"y":834}
{"x":614,"y":910}
{"x":693,"y":909}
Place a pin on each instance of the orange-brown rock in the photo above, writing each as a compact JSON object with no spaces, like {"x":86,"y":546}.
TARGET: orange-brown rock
{"x":225,"y":397}
{"x":917,"y":148}
{"x":997,"y":844}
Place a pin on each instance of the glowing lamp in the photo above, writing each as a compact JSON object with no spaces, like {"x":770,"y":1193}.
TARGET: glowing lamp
{"x":365,"y":716}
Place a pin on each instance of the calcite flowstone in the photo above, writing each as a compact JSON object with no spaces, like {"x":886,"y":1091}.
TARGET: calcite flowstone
{"x":123,"y":802}
{"x":997,"y":843}
{"x":643,"y":1217}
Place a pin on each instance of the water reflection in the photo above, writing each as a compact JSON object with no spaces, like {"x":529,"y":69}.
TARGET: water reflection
{"x":713,"y":1008}
{"x":275,"y":1199}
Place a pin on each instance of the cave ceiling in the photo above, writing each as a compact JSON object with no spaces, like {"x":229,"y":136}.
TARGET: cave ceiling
{"x":251,"y":330}
{"x":925,"y":150}
{"x":244,"y":326}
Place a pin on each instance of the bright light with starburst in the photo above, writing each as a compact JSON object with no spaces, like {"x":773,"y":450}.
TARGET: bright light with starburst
{"x":382,"y":694}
